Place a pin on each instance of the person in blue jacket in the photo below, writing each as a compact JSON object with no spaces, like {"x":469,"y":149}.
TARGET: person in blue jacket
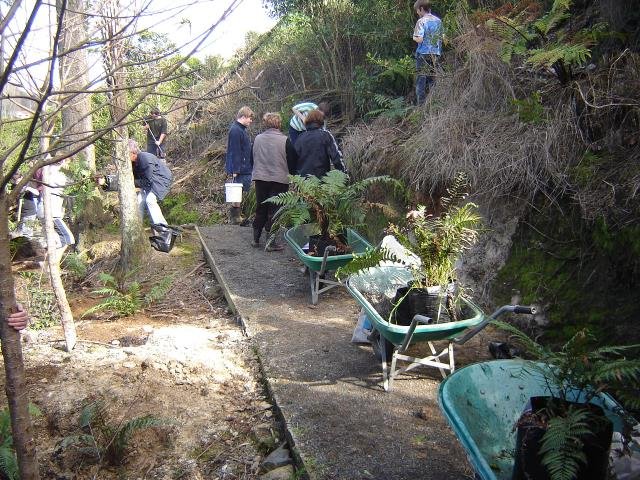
{"x":239,"y":160}
{"x":428,"y":34}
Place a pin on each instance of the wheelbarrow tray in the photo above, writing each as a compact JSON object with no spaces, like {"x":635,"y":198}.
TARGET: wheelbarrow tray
{"x":482,"y":403}
{"x":385,"y":280}
{"x":298,"y":236}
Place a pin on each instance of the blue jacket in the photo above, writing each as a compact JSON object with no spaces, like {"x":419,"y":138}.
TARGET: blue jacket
{"x":239,"y":159}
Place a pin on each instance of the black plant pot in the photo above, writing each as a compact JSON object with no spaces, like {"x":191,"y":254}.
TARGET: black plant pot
{"x":318,"y":244}
{"x":531,"y":429}
{"x":416,"y":301}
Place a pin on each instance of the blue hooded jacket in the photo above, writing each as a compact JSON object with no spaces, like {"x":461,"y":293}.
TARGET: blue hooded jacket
{"x":239,"y":159}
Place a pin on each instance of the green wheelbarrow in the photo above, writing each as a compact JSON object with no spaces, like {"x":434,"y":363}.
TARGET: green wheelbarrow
{"x":318,"y":267}
{"x":390,"y":340}
{"x":482,"y":403}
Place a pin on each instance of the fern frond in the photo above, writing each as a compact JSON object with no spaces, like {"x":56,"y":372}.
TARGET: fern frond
{"x":618,"y":371}
{"x":120,"y":440}
{"x":561,"y":447}
{"x":159,"y":290}
{"x":368,"y":259}
{"x":8,"y":463}
{"x":570,"y":55}
{"x":91,"y":412}
{"x":107,"y":279}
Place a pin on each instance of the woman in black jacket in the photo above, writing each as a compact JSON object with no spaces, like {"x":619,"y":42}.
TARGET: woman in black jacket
{"x":316,"y":148}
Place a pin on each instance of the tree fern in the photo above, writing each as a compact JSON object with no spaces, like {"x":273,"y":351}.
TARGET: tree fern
{"x":331,"y":202}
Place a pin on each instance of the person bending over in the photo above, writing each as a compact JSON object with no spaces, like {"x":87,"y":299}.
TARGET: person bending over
{"x":153,"y":178}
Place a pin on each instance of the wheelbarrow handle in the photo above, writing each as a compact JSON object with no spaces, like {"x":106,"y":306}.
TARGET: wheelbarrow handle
{"x":501,"y":311}
{"x":407,"y":338}
{"x":323,"y":267}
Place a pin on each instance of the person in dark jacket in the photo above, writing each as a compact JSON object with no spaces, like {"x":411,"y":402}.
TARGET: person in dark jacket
{"x":316,"y":148}
{"x":273,"y":159}
{"x":239,"y":161}
{"x":153,"y":177}
{"x":156,"y":128}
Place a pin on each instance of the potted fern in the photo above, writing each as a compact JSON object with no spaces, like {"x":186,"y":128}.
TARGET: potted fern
{"x":331,"y":202}
{"x":436,"y":241}
{"x":566,"y":435}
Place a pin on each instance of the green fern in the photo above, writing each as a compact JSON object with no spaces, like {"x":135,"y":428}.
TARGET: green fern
{"x":437,"y":241}
{"x":562,"y":444}
{"x":122,"y":436}
{"x":389,"y":107}
{"x":331,"y":202}
{"x":8,"y":460}
{"x":570,"y":55}
{"x":129,"y":301}
{"x":104,"y":438}
{"x":578,"y":369}
{"x":158,"y":291}
{"x":8,"y":463}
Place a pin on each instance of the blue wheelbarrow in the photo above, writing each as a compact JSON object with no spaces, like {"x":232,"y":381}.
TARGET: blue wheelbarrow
{"x":482,"y":403}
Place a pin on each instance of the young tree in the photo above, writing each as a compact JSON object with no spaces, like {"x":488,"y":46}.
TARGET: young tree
{"x":20,"y":155}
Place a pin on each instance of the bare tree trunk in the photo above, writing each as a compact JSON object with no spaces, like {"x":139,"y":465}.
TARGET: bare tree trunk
{"x":77,"y":122}
{"x":16,"y":390}
{"x":54,"y":254}
{"x":135,"y":248}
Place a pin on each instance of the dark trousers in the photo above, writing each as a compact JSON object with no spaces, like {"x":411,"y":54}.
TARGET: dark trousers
{"x":426,"y":65}
{"x":265,"y":211}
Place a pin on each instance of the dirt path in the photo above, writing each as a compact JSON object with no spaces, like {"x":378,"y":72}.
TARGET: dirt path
{"x":184,"y":361}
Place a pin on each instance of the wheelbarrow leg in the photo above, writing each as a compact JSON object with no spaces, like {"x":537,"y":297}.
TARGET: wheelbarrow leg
{"x":385,"y":371}
{"x":393,"y":367}
{"x":435,"y":352}
{"x":314,"y":281}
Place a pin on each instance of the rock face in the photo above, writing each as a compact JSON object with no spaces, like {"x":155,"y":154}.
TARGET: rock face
{"x":481,"y":264}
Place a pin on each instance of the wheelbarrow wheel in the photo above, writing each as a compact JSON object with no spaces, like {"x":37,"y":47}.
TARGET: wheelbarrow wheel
{"x":381,"y":344}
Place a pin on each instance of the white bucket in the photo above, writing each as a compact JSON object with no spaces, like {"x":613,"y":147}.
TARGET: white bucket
{"x":233,"y":192}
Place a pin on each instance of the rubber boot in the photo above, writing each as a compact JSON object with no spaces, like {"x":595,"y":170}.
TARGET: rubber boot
{"x":256,"y":237}
{"x":234,"y":215}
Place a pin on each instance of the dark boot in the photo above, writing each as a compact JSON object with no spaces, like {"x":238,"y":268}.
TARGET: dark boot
{"x":234,"y":215}
{"x":256,"y":237}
